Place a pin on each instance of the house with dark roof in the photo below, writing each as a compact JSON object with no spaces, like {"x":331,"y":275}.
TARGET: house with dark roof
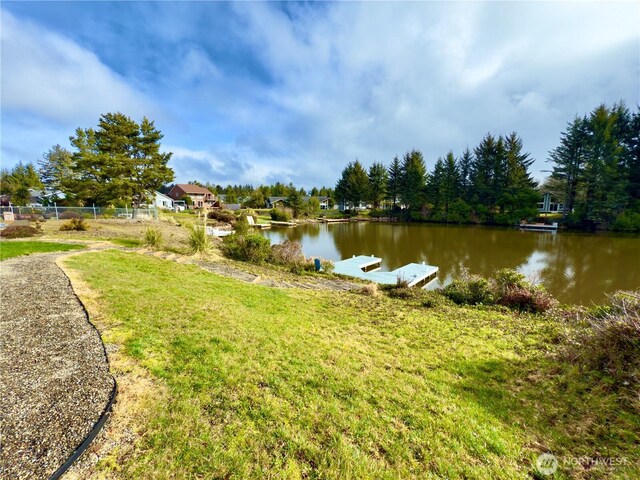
{"x":280,"y":202}
{"x":200,"y":197}
{"x":548,"y":205}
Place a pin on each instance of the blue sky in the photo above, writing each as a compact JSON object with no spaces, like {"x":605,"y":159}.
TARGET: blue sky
{"x":263,"y":92}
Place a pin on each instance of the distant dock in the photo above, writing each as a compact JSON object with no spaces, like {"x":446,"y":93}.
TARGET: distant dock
{"x":282,"y":224}
{"x":368,"y":268}
{"x":539,"y":227}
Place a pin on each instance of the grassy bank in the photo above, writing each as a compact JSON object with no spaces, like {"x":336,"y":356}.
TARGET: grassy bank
{"x":260,"y":382}
{"x":16,"y":248}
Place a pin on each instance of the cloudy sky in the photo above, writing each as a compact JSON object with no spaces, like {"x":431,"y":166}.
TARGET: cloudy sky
{"x":260,"y":92}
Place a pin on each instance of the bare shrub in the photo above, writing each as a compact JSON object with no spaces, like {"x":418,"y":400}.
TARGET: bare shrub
{"x":75,"y":224}
{"x":527,"y":299}
{"x":287,"y":253}
{"x":611,"y":341}
{"x":370,"y":290}
{"x":19,"y":231}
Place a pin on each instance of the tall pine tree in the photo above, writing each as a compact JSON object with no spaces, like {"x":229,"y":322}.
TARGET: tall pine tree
{"x":378,"y":180}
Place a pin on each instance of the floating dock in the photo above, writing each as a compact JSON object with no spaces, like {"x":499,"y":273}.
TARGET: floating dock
{"x":282,"y":224}
{"x":368,"y":268}
{"x":539,"y":227}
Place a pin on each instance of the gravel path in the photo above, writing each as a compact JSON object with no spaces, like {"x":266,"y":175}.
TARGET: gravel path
{"x":54,"y":376}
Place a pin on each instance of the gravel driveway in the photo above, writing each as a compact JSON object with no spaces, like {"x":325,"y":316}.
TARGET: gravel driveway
{"x":54,"y":375}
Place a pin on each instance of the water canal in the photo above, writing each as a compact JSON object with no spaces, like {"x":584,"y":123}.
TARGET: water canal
{"x":575,"y":267}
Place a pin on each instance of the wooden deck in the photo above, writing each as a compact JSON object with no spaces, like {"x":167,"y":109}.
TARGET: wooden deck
{"x":539,"y":227}
{"x":282,"y":224}
{"x":368,"y":268}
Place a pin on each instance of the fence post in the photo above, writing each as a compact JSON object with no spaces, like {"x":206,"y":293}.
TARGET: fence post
{"x":126,"y":211}
{"x":95,"y":217}
{"x":55,"y":206}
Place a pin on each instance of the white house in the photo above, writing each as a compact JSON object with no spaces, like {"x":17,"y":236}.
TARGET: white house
{"x":160,"y":200}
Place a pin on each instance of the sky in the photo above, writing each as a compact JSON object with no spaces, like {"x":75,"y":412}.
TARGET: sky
{"x":259,"y":92}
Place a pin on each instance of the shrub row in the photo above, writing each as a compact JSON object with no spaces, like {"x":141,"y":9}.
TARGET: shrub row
{"x":506,"y":287}
{"x":255,"y":248}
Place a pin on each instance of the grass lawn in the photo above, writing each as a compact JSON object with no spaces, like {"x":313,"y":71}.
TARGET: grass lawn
{"x":15,"y":249}
{"x":257,"y":382}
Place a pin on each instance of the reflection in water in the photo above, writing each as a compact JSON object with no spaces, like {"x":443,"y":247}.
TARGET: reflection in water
{"x":576,"y":268}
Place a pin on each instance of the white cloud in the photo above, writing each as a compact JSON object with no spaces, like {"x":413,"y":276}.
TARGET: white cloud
{"x":371,"y":80}
{"x":49,"y":75}
{"x":308,"y":89}
{"x":226,"y":164}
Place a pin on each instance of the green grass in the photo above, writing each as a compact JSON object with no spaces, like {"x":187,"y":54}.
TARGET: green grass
{"x":15,"y":249}
{"x":126,"y":242}
{"x":264,"y":382}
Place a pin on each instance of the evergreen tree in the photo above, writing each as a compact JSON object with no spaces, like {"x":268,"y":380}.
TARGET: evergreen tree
{"x":414,"y":177}
{"x":569,"y":158}
{"x":378,"y":180}
{"x":450,"y":188}
{"x":18,"y":181}
{"x":295,"y":202}
{"x":55,"y":168}
{"x":499,"y":172}
{"x":434,"y":187}
{"x":395,"y":181}
{"x":278,"y":190}
{"x":118,"y":163}
{"x":605,"y":185}
{"x":519,"y":197}
{"x":482,"y":170}
{"x":632,"y":141}
{"x":352,"y":188}
{"x":465,"y":165}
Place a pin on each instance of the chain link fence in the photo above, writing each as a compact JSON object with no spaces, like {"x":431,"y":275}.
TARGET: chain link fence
{"x":62,"y":213}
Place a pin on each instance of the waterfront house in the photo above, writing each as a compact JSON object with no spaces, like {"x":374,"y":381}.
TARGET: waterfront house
{"x":281,"y":202}
{"x":547,"y":205}
{"x":276,"y":202}
{"x":200,"y":197}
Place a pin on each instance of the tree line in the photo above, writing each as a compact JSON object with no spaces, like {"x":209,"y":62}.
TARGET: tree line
{"x":256,"y":197}
{"x":595,"y":173}
{"x":596,"y":169}
{"x":490,"y":184}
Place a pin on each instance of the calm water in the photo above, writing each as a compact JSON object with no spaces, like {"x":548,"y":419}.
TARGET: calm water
{"x":576,"y":268}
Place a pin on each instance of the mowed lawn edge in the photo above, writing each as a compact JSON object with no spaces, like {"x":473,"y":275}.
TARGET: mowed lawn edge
{"x":11,"y":249}
{"x":261,"y":382}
